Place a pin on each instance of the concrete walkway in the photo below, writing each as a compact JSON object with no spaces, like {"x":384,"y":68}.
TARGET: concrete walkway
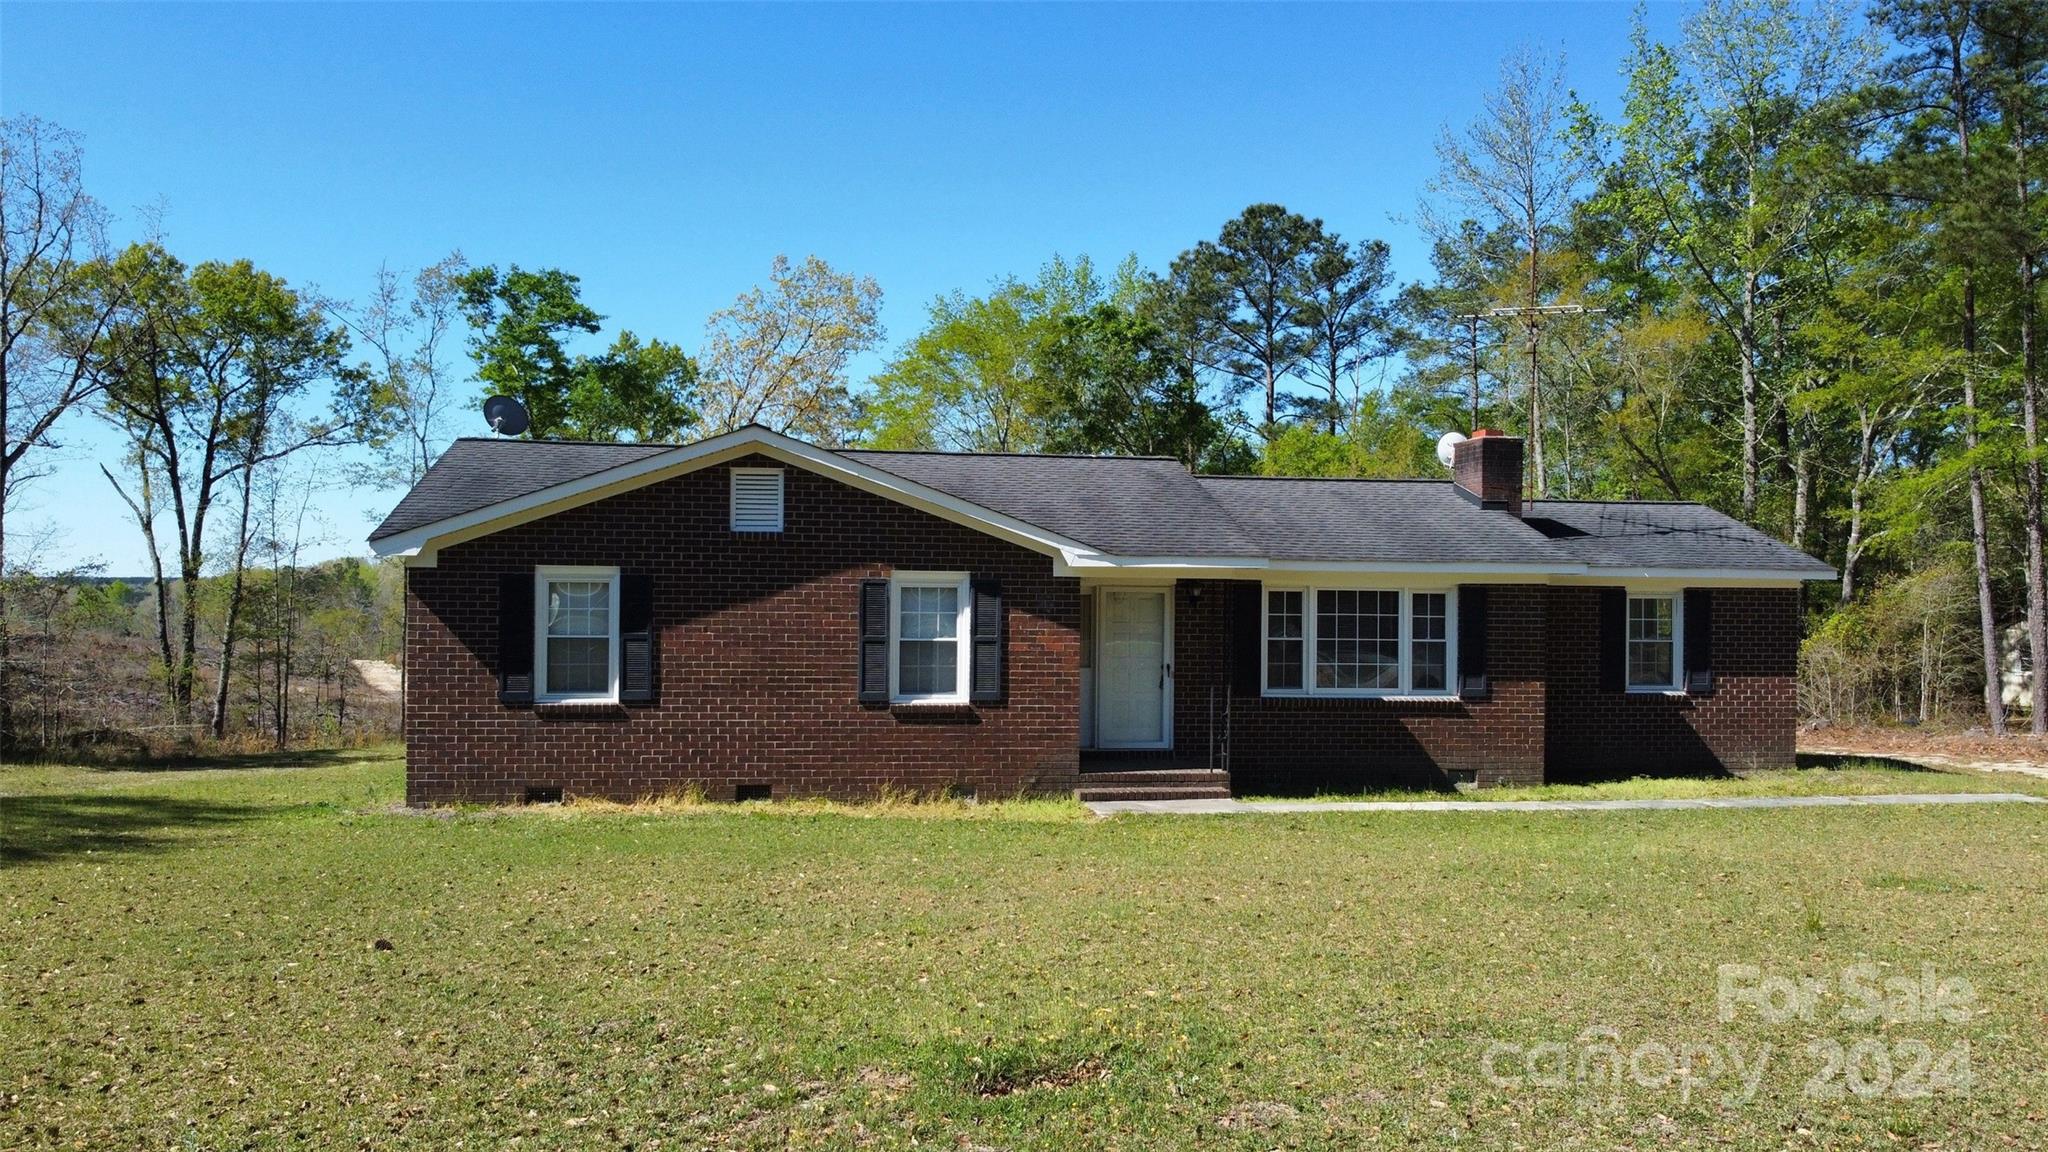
{"x":1224,"y":807}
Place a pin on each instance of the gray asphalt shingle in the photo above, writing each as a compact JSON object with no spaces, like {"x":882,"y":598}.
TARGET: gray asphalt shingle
{"x":1651,"y":534}
{"x":477,"y":473}
{"x":1392,"y":521}
{"x":1122,"y":505}
{"x":1133,"y":506}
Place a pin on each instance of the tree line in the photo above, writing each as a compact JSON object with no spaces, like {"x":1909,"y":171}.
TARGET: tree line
{"x":1796,"y":277}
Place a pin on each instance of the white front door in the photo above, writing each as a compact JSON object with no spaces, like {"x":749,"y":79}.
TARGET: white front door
{"x":1133,"y":668}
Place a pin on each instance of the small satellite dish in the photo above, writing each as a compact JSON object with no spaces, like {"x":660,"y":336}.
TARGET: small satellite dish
{"x":1447,"y":447}
{"x":507,"y":416}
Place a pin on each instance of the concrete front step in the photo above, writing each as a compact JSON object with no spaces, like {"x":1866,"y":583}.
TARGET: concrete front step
{"x":1091,"y":793}
{"x":1156,"y":777}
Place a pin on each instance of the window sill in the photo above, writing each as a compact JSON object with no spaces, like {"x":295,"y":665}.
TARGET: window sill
{"x":924,"y":706}
{"x":1332,"y":699}
{"x":1680,"y":693}
{"x":579,"y":710}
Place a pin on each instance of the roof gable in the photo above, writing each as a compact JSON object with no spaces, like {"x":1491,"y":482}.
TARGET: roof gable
{"x":497,"y":493}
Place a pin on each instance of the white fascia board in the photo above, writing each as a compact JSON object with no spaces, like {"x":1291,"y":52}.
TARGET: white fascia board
{"x":1705,"y":577}
{"x":1189,"y":567}
{"x":1111,"y":568}
{"x":707,"y":453}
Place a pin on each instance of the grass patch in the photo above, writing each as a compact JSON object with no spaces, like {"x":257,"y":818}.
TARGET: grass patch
{"x":1823,"y":777}
{"x":1925,"y":885}
{"x":190,"y":959}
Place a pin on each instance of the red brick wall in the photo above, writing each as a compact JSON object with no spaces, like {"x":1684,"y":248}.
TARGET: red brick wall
{"x":1301,"y":744}
{"x":758,"y":657}
{"x":1750,"y":721}
{"x":1547,"y":718}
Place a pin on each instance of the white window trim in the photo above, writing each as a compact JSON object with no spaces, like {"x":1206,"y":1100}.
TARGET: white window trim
{"x":963,"y":634}
{"x":732,"y":499}
{"x":1676,"y":685}
{"x":1404,"y":690}
{"x":541,"y":577}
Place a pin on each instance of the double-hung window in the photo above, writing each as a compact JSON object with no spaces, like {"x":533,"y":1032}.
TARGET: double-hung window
{"x":1652,"y":643}
{"x":1286,"y":639}
{"x":1429,"y":642}
{"x":928,"y":636}
{"x":576,"y":625}
{"x":1357,"y":642}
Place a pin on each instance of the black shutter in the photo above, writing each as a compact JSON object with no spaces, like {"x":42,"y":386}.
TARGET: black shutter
{"x":986,"y":685}
{"x":1473,"y":681}
{"x":874,"y":641}
{"x":515,"y":638}
{"x":1247,"y":623}
{"x":1614,"y":639}
{"x":1699,"y":641}
{"x":636,"y":639}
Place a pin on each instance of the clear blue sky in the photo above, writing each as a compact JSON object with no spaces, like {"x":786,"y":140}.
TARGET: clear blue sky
{"x":665,"y":154}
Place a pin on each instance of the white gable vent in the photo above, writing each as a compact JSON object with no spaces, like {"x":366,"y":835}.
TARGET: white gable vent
{"x":757,"y":499}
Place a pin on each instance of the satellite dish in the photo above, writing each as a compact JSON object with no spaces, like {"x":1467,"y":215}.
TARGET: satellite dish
{"x":1447,"y":447}
{"x":507,"y":416}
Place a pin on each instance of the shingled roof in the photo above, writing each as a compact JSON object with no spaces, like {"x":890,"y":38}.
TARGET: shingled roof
{"x":1152,"y":507}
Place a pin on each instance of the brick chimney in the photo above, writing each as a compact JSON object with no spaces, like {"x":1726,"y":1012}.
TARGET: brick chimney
{"x":1487,"y":468}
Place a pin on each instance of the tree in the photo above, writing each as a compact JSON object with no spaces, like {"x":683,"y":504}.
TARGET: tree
{"x":1116,"y":386}
{"x":204,"y":369}
{"x":1246,"y":295}
{"x":1941,"y":102}
{"x":55,"y":301}
{"x":643,"y":392}
{"x":2016,"y":42}
{"x":1375,"y":439}
{"x":1885,"y":364}
{"x":518,"y":321}
{"x":1513,"y":170}
{"x":778,"y":356}
{"x":1345,"y":310}
{"x":406,"y":325}
{"x":975,"y":378}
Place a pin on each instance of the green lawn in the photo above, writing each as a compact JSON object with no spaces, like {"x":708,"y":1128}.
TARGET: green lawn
{"x":1816,"y":776}
{"x":188,"y":960}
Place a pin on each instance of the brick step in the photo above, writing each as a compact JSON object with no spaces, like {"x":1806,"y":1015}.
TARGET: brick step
{"x":1150,"y":777}
{"x":1093,"y":793}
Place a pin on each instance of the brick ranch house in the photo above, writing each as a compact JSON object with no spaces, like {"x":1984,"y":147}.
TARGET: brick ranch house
{"x":753,"y":615}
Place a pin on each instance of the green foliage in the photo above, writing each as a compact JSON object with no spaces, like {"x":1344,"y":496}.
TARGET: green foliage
{"x":1374,"y":440}
{"x":108,"y":607}
{"x":635,"y":391}
{"x":1245,"y":297}
{"x":976,"y":378}
{"x":519,"y":322}
{"x":1348,"y":317}
{"x":1116,"y":387}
